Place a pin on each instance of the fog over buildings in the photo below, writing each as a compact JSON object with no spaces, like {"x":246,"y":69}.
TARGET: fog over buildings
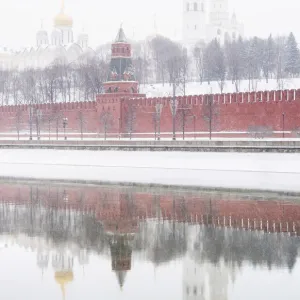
{"x":19,"y":20}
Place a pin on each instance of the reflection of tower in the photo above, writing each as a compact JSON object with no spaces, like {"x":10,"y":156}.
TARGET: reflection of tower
{"x":121,"y":250}
{"x":219,"y":276}
{"x":205,"y":281}
{"x":195,"y":277}
{"x":120,"y":228}
{"x":63,"y":264}
{"x":193,"y":280}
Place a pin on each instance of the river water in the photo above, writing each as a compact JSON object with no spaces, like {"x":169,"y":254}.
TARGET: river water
{"x":60,"y":241}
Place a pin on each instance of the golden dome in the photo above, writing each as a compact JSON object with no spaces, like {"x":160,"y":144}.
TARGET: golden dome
{"x":63,"y":20}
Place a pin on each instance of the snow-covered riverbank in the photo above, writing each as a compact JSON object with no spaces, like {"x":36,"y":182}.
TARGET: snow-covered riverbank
{"x":263,"y":171}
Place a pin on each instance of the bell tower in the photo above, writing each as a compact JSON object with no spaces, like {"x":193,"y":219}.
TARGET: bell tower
{"x":219,"y":20}
{"x":194,"y":22}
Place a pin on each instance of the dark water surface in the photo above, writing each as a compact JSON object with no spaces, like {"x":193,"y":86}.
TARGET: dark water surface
{"x":108,"y":242}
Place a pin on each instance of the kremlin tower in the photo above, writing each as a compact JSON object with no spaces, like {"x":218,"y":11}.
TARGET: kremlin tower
{"x":121,"y":78}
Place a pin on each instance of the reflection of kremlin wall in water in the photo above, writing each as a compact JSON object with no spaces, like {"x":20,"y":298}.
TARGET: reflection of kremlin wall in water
{"x":158,"y":226}
{"x":125,"y":207}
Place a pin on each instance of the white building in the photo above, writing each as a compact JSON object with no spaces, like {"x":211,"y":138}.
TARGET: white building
{"x":59,"y":45}
{"x":204,"y":22}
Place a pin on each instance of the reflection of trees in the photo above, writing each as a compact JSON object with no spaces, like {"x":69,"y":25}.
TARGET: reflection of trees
{"x":50,"y":214}
{"x":238,"y":246}
{"x":162,"y":240}
{"x":56,"y":225}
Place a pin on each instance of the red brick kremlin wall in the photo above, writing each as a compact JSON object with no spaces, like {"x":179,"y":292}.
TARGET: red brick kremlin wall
{"x":230,"y":113}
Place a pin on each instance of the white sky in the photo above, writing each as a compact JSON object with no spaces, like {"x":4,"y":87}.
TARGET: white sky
{"x":20,"y":19}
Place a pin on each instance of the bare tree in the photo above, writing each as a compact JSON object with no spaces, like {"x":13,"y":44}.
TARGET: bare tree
{"x":38,"y":116}
{"x":210,"y":114}
{"x":130,"y":117}
{"x":235,"y":60}
{"x":280,"y":47}
{"x":57,"y":116}
{"x":4,"y":86}
{"x":81,"y":121}
{"x":92,"y":73}
{"x":106,"y":122}
{"x":184,"y":116}
{"x":269,"y":54}
{"x":157,"y":120}
{"x":199,"y":60}
{"x":18,"y":120}
{"x":48,"y":119}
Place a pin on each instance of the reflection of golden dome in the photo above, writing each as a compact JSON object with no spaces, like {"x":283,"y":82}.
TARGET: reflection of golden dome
{"x":63,"y":20}
{"x":63,"y":278}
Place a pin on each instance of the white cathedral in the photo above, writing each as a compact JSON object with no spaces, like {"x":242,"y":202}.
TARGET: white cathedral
{"x":59,"y":45}
{"x":205,"y":20}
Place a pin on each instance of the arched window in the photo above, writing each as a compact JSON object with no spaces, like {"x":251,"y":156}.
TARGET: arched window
{"x":195,"y":27}
{"x":202,"y":7}
{"x":195,"y":6}
{"x":187,"y":7}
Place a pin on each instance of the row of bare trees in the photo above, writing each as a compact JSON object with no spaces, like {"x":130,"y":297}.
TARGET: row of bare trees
{"x":238,"y":59}
{"x":58,"y":82}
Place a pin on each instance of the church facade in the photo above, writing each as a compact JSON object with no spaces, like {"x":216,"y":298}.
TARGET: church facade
{"x":204,"y":22}
{"x":58,"y":46}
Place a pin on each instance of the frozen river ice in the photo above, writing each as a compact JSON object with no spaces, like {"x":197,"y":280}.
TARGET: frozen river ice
{"x":259,"y":171}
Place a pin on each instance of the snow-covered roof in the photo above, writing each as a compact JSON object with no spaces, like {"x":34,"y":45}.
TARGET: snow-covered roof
{"x":72,"y":45}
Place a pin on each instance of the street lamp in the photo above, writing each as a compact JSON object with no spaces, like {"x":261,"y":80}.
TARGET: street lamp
{"x":283,"y":115}
{"x":65,"y":123}
{"x":30,"y":123}
{"x":174,"y":112}
{"x":119,"y":128}
{"x":194,"y":120}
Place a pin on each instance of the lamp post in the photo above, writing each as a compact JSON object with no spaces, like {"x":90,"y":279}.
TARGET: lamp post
{"x":283,"y":116}
{"x":30,"y":122}
{"x":65,"y":123}
{"x":194,"y":120}
{"x":119,"y":128}
{"x":174,"y":112}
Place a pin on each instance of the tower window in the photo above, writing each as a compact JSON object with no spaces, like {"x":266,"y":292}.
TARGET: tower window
{"x":202,"y":7}
{"x":195,"y":27}
{"x":187,"y":7}
{"x":195,"y":6}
